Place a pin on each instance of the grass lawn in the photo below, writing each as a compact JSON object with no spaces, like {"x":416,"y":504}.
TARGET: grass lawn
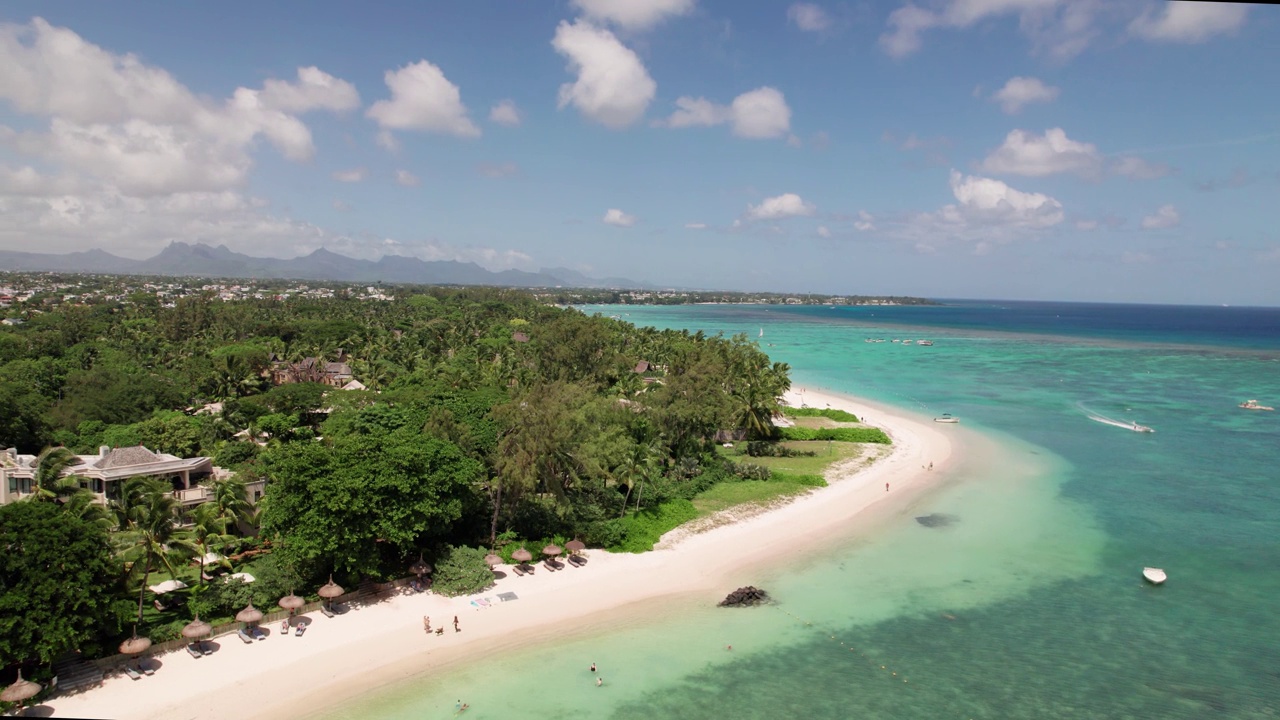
{"x":828,"y":453}
{"x":726,"y":495}
{"x":821,"y":422}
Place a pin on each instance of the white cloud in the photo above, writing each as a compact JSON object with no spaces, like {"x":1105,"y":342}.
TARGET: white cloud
{"x":696,"y":226}
{"x":865,"y":221}
{"x":115,"y":120}
{"x":1025,"y":153}
{"x":315,"y":90}
{"x":407,"y":179}
{"x":422,"y":98}
{"x":1058,"y":28}
{"x":809,"y":17}
{"x":1188,"y":22}
{"x":824,"y":231}
{"x":780,"y":206}
{"x":758,"y":114}
{"x":616,"y":217}
{"x":353,"y":175}
{"x":502,"y":170}
{"x":1135,"y":167}
{"x":987,"y":212}
{"x":612,"y":87}
{"x":1021,"y":91}
{"x":387,"y":141}
{"x":1166,"y":217}
{"x":506,"y":113}
{"x":633,"y":15}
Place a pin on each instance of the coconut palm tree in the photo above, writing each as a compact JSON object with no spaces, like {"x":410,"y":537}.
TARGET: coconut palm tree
{"x":156,"y":541}
{"x":48,"y":481}
{"x":232,"y":502}
{"x":208,"y":531}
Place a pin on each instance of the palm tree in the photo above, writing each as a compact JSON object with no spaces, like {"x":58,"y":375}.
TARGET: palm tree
{"x":154,"y":520}
{"x":232,"y":502}
{"x":48,"y":481}
{"x":639,"y":465}
{"x":208,"y":530}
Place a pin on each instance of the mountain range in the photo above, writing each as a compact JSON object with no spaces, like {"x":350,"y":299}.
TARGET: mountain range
{"x":201,"y":260}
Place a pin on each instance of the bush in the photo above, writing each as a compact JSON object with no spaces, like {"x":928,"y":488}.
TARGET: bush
{"x":639,"y":531}
{"x":462,"y":571}
{"x":759,"y":448}
{"x":829,"y":413}
{"x":856,"y":435}
{"x":750,"y":471}
{"x":168,"y":631}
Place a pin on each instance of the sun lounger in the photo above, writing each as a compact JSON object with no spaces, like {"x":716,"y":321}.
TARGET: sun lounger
{"x":577,"y":560}
{"x":259,"y":633}
{"x":324,"y":609}
{"x":192,"y":651}
{"x":146,"y":669}
{"x":301,"y":629}
{"x":206,"y":648}
{"x":133,"y":674}
{"x":245,"y":636}
{"x":547,"y":564}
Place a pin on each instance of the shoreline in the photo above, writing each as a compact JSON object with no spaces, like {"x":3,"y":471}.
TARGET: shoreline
{"x":378,"y":645}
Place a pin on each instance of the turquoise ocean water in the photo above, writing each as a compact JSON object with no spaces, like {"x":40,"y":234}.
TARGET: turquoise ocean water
{"x":1030,"y":604}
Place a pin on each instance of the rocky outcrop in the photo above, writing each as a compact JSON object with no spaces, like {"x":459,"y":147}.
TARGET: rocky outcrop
{"x":745,"y":597}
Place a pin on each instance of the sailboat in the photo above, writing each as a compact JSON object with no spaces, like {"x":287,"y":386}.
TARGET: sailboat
{"x":761,"y":332}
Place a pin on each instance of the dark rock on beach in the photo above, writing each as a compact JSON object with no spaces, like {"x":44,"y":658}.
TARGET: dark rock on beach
{"x":937,"y":520}
{"x":745,"y":597}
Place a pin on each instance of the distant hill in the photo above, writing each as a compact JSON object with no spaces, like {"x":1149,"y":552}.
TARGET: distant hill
{"x":201,"y":260}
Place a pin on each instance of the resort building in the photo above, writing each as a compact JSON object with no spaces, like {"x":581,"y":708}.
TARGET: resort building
{"x":336,"y":373}
{"x":104,"y":473}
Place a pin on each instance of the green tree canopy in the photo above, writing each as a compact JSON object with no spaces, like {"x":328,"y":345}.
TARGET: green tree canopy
{"x":58,"y":582}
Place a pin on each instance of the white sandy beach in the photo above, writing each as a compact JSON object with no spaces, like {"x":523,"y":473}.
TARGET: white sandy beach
{"x":370,"y":646}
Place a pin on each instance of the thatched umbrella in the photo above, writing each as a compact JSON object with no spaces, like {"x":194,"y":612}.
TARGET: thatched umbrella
{"x":135,"y":645}
{"x":330,"y":590}
{"x":522,"y":556}
{"x":250,"y":615}
{"x":492,"y":560}
{"x":420,"y":568}
{"x":552,"y":550}
{"x":196,"y":629}
{"x":575,"y":546}
{"x":291,"y":602}
{"x":21,"y":690}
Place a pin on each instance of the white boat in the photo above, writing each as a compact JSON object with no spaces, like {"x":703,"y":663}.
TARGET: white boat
{"x":1155,"y":576}
{"x":924,"y":342}
{"x":946,"y":418}
{"x":1141,"y":428}
{"x":1253,"y":405}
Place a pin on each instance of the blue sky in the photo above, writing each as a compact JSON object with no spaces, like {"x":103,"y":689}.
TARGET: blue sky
{"x":1041,"y":149}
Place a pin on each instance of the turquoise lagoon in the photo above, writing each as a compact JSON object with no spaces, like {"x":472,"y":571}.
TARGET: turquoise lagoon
{"x":1028,"y":605}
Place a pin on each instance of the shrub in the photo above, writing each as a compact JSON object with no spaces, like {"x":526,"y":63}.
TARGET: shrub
{"x":856,"y":435}
{"x":168,"y":631}
{"x":758,"y":448}
{"x":750,"y":471}
{"x":462,"y":571}
{"x":640,"y":531}
{"x":829,"y":413}
{"x":799,"y":479}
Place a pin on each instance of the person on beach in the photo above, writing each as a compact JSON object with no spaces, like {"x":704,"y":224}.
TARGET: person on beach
{"x":284,"y":626}
{"x":599,"y":681}
{"x":426,"y":624}
{"x":931,"y":466}
{"x":455,"y":624}
{"x":886,"y":487}
{"x":593,"y":667}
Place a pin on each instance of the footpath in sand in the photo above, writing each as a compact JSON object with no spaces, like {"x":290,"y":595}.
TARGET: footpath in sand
{"x":374,"y":645}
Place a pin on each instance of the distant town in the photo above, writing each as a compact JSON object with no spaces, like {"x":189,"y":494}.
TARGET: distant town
{"x":23,"y":293}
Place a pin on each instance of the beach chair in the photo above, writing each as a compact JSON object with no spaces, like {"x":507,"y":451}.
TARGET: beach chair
{"x":259,"y":633}
{"x":324,"y":609}
{"x":301,"y":629}
{"x":146,"y":669}
{"x":206,"y":648}
{"x":192,"y":651}
{"x":245,"y":636}
{"x":577,"y":560}
{"x":133,"y":674}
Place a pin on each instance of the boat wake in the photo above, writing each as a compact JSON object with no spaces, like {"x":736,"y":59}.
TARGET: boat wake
{"x":1097,"y":417}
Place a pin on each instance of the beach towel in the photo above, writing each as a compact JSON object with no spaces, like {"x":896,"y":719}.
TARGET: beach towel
{"x":481,"y":603}
{"x":507,"y":596}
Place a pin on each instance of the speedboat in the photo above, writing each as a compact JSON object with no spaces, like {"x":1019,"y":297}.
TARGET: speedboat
{"x":1141,"y":428}
{"x":946,"y":418}
{"x":1155,"y":576}
{"x":1253,"y":405}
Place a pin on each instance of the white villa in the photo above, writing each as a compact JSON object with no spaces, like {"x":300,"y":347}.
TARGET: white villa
{"x":103,"y":474}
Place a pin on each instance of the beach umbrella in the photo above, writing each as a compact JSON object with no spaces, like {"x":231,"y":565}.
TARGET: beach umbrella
{"x":20,"y":690}
{"x":420,"y":568}
{"x":492,"y":560}
{"x":330,"y":590}
{"x":291,"y":602}
{"x":575,"y":546}
{"x":196,"y":629}
{"x":135,"y":645}
{"x":166,"y":586}
{"x":242,"y":576}
{"x":551,"y":550}
{"x":250,"y":615}
{"x":522,"y":555}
